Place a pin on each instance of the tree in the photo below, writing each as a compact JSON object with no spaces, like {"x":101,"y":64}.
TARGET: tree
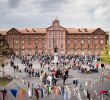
{"x":4,"y":52}
{"x":4,"y":47}
{"x":105,"y":58}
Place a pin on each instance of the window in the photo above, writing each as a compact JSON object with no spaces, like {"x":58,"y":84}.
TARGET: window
{"x":49,"y":34}
{"x":95,"y":41}
{"x":88,"y":44}
{"x":68,"y":37}
{"x":101,"y":41}
{"x":49,"y":41}
{"x":82,"y":44}
{"x":22,"y":41}
{"x":82,"y":36}
{"x":89,"y":41}
{"x":61,"y":34}
{"x":55,"y":41}
{"x":61,"y":45}
{"x":16,"y":42}
{"x":49,"y":46}
{"x":82,"y":41}
{"x":68,"y":42}
{"x":22,"y":37}
{"x":16,"y":52}
{"x":22,"y":52}
{"x":16,"y":36}
{"x":23,"y":47}
{"x":88,"y":47}
{"x":29,"y":40}
{"x":29,"y":51}
{"x":16,"y":46}
{"x":88,"y":37}
{"x":95,"y":37}
{"x":102,"y":37}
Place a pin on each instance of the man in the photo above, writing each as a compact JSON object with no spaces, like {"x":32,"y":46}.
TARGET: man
{"x":64,"y":79}
{"x":88,"y":95}
{"x":102,"y":65}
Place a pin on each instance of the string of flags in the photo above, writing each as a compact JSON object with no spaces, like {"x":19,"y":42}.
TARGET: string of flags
{"x":14,"y":92}
{"x":45,"y":90}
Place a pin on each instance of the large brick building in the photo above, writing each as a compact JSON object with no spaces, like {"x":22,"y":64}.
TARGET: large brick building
{"x":67,"y":40}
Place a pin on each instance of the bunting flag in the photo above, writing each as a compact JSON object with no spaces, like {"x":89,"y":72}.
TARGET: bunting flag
{"x":85,"y":92}
{"x":29,"y":92}
{"x":22,"y":94}
{"x":14,"y":92}
{"x":23,"y":90}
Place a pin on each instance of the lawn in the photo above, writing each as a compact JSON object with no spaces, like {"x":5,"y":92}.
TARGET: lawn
{"x":4,"y":81}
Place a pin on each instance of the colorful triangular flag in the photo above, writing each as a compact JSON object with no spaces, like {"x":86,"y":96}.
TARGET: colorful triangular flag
{"x":14,"y":92}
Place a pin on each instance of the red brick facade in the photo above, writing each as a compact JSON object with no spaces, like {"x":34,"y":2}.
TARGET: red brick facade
{"x":67,"y":40}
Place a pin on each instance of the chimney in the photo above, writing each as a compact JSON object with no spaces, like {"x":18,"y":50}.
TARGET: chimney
{"x":79,"y":30}
{"x":86,"y":30}
{"x":33,"y":30}
{"x":27,"y":30}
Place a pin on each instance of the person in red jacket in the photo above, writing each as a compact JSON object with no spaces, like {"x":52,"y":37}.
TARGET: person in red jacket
{"x":37,"y":94}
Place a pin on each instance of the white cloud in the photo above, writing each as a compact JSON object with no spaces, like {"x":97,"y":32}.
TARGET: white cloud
{"x":40,"y":13}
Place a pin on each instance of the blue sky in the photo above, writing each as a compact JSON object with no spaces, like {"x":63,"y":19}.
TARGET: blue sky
{"x":41,"y":13}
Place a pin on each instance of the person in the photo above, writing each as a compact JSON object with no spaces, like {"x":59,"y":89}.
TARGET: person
{"x":102,"y":65}
{"x":73,"y":82}
{"x":97,"y":66}
{"x":28,"y":84}
{"x":64,"y":79}
{"x":76,"y":82}
{"x":36,"y":93}
{"x":54,"y":81}
{"x":88,"y":95}
{"x":41,"y":90}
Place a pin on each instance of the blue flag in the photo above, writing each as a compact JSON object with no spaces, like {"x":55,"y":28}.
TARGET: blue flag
{"x":14,"y":92}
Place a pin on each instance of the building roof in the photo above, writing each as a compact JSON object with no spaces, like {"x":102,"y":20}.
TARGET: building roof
{"x":3,"y":31}
{"x":32,"y":30}
{"x":80,"y":30}
{"x":43,"y":30}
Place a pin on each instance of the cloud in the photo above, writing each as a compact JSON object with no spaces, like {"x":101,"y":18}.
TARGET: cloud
{"x":51,"y":5}
{"x":41,"y":13}
{"x":13,"y":3}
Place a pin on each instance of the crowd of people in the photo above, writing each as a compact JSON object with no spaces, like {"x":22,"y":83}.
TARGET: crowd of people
{"x":84,"y":64}
{"x":60,"y":70}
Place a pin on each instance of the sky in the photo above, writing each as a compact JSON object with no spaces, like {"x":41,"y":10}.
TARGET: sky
{"x":41,"y":13}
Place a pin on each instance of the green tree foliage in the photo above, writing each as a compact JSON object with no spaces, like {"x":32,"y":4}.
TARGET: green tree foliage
{"x":4,"y":47}
{"x":4,"y":50}
{"x":106,"y":54}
